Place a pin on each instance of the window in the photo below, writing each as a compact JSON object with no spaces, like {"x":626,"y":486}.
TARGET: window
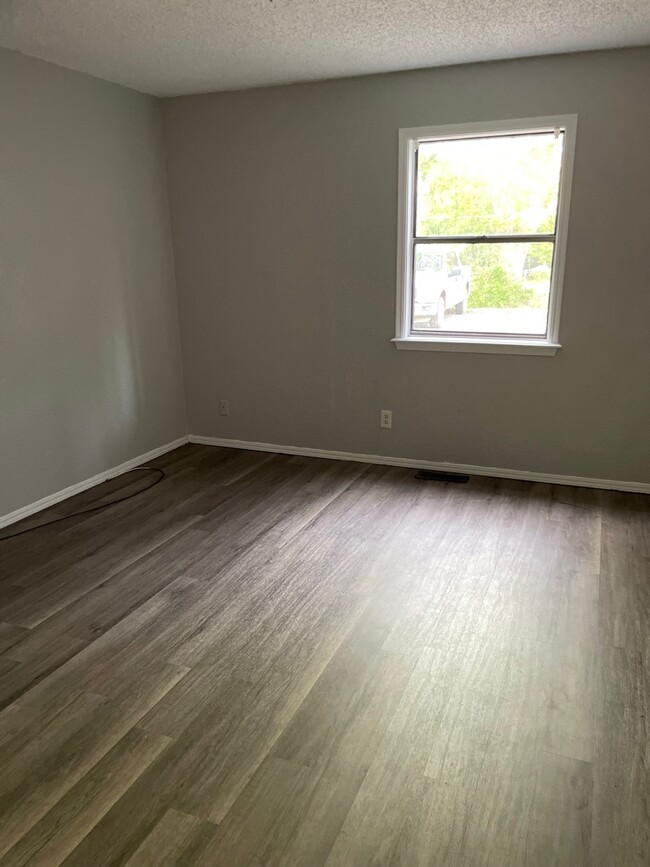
{"x":483,"y":213}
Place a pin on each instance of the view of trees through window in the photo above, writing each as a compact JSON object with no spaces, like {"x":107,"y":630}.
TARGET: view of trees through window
{"x":504,"y":186}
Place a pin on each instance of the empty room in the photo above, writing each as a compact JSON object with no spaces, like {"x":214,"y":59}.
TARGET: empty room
{"x":324,"y":433}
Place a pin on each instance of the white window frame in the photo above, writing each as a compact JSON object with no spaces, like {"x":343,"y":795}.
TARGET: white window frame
{"x":409,"y":140}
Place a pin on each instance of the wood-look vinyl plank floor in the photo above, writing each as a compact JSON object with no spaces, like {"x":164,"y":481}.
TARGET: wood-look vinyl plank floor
{"x":276,"y":661}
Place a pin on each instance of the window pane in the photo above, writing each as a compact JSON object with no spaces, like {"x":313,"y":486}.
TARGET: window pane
{"x":482,"y":288}
{"x":489,"y":186}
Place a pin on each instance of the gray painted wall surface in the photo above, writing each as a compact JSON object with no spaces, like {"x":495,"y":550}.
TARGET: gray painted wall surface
{"x":284,"y":213}
{"x":90,"y":364}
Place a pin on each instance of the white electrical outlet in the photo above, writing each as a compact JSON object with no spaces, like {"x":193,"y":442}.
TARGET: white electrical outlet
{"x":386,"y":418}
{"x":223,"y":407}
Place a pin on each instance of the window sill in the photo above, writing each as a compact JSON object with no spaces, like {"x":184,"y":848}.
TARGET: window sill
{"x":499,"y":345}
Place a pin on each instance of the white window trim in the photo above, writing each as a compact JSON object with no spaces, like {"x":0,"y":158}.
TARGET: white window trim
{"x":408,"y":142}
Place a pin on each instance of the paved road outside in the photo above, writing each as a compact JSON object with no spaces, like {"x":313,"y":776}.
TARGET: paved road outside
{"x":522,"y":320}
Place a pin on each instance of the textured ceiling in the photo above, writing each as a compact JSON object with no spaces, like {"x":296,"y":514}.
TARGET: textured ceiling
{"x":169,"y":47}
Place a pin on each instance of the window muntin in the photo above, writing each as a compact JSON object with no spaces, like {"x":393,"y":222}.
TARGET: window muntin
{"x":493,"y":201}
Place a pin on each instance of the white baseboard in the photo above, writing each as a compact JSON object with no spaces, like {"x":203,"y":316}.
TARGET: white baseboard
{"x":52,"y":499}
{"x":469,"y":469}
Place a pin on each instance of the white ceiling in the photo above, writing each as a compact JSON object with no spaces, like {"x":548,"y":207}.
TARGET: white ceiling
{"x":170,"y":47}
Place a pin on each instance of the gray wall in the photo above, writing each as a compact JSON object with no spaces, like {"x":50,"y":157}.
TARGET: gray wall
{"x":284,"y":215}
{"x":90,"y":366}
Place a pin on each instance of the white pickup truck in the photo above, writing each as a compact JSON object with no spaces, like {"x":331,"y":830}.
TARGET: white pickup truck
{"x":440,"y":285}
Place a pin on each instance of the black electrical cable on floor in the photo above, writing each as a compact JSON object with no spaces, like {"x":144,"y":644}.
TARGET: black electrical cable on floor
{"x":87,"y":511}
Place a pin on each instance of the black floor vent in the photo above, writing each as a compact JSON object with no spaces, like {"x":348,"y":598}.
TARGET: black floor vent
{"x":439,"y":476}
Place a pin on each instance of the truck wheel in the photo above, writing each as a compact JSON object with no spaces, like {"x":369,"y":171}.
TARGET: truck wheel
{"x":461,"y":307}
{"x":440,"y":312}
